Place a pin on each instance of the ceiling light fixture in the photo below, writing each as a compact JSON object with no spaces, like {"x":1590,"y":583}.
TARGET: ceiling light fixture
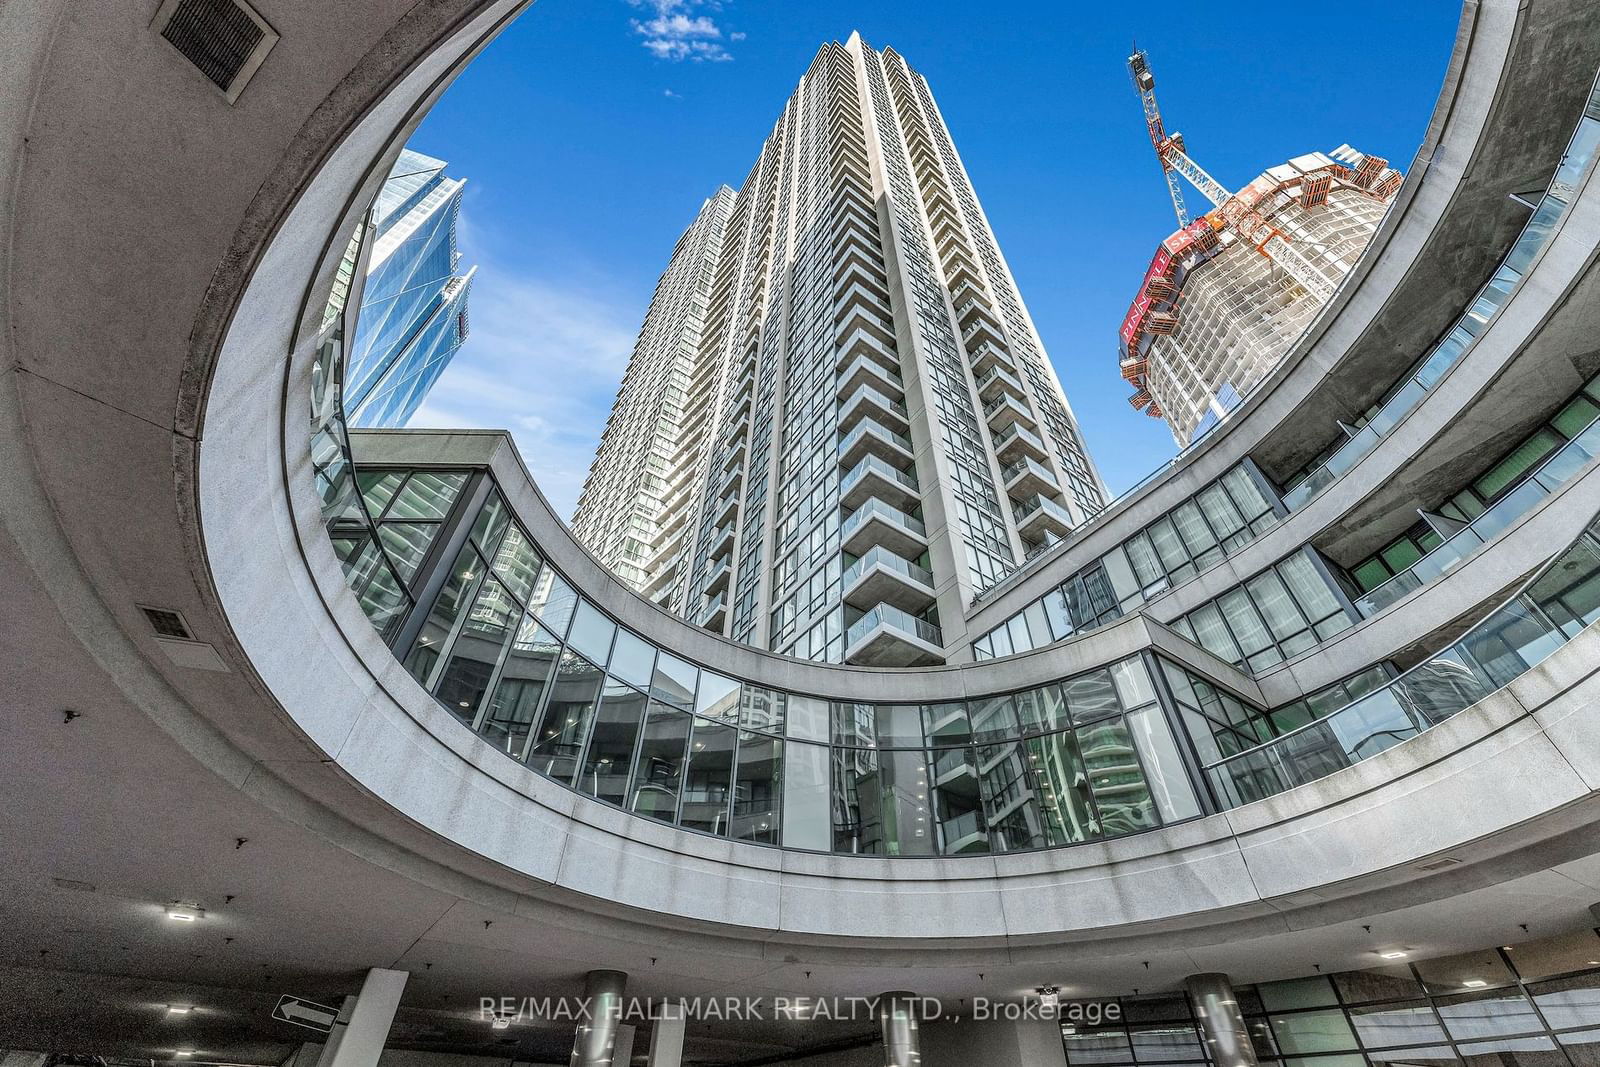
{"x":179,"y":1009}
{"x":185,"y":913}
{"x":1396,"y":954}
{"x":1474,"y":983}
{"x":184,"y":1052}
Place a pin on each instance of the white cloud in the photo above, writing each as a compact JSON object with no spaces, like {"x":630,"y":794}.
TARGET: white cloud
{"x":543,"y":360}
{"x":672,"y":95}
{"x":677,"y":33}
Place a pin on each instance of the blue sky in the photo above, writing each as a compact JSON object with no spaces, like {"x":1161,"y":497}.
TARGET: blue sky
{"x":591,"y":130}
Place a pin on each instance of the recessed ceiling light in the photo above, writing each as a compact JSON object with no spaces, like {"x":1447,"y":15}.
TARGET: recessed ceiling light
{"x":1394,"y":955}
{"x":184,"y":1052}
{"x":1474,"y":983}
{"x":179,"y":1009}
{"x":185,"y":913}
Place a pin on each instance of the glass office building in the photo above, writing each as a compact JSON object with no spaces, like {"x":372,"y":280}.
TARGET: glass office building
{"x":413,"y":311}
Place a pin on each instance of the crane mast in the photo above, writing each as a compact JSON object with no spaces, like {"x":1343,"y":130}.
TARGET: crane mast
{"x":1236,"y":214}
{"x":1145,"y":83}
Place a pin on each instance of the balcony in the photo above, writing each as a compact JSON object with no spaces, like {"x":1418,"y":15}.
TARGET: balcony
{"x":725,"y":509}
{"x":889,"y":637}
{"x":1018,"y":441}
{"x":1039,"y":517}
{"x":1028,"y":477}
{"x":867,"y":401}
{"x":860,"y":342}
{"x":866,"y":371}
{"x":714,"y":614}
{"x":881,"y":577}
{"x":867,"y":320}
{"x":870,"y":438}
{"x":872,"y":477}
{"x":877,"y":523}
{"x":1000,"y":382}
{"x":988,"y":355}
{"x":1006,"y":410}
{"x":716,"y":579}
{"x":721,"y":542}
{"x":974,"y":308}
{"x":981,"y":330}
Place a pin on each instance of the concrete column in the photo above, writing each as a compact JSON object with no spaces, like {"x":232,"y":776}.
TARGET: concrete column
{"x":666,"y":1037}
{"x":622,"y":1051}
{"x":368,"y":1028}
{"x":330,"y":1047}
{"x":1216,"y":1007}
{"x":897,"y":1014}
{"x":597,"y":1035}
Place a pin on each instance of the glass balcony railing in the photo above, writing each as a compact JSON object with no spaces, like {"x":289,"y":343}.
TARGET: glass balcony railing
{"x":874,"y":464}
{"x":1551,"y":609}
{"x":1028,"y":505}
{"x":1027,"y":463}
{"x":877,"y":508}
{"x":868,"y":393}
{"x":867,"y":426}
{"x":1017,"y":430}
{"x":1535,"y":235}
{"x":894,"y":618}
{"x":879,"y":556}
{"x":1556,"y":471}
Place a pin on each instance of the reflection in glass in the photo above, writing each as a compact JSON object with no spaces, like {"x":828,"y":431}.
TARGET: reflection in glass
{"x":805,"y":796}
{"x":658,"y":773}
{"x":518,"y":693}
{"x":1115,"y":779}
{"x":559,"y":740}
{"x":956,"y":801}
{"x":709,"y":779}
{"x":1065,"y":808}
{"x":424,"y":655}
{"x":757,"y":783}
{"x":609,"y":757}
{"x":476,"y":650}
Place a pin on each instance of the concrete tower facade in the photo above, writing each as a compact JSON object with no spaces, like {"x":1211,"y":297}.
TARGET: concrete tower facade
{"x":871,"y":433}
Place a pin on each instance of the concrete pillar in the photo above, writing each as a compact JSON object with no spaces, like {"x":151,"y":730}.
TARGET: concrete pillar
{"x":361,"y":1043}
{"x":897,"y":1014}
{"x":597,"y":1034}
{"x":1216,"y":1008}
{"x":666,"y":1037}
{"x":622,"y":1051}
{"x":330,"y":1047}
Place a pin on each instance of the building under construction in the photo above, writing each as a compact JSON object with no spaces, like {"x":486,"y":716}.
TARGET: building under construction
{"x":1228,"y":293}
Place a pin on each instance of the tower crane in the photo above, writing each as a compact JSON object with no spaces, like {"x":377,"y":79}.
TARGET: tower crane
{"x":1238,"y":212}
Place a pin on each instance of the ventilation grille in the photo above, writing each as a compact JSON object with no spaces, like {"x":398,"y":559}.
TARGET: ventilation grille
{"x":167,"y":623}
{"x":1438,"y":865}
{"x":224,"y":39}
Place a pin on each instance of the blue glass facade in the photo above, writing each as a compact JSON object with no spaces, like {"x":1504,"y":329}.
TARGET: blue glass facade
{"x":413,"y":316}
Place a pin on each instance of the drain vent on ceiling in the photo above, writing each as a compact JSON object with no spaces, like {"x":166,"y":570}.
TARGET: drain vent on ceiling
{"x":167,"y":623}
{"x":225,"y":39}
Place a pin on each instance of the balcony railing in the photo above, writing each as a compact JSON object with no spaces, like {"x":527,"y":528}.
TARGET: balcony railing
{"x":1514,"y":639}
{"x":1027,"y":464}
{"x":874,"y":464}
{"x":1535,"y":235}
{"x":867,"y":426}
{"x":882,"y":557}
{"x":877,"y":508}
{"x":1559,"y":469}
{"x":1028,"y":506}
{"x":894,"y":618}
